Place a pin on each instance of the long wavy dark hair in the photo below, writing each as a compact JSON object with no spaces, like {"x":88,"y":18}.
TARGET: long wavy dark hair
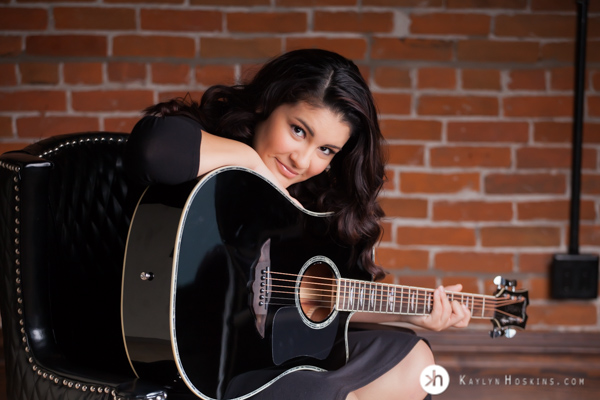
{"x":349,"y":188}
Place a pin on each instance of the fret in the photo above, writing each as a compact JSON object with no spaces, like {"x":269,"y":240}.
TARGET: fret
{"x":483,"y":308}
{"x":391,"y":299}
{"x":401,"y":298}
{"x":472,"y":303}
{"x":361,"y":296}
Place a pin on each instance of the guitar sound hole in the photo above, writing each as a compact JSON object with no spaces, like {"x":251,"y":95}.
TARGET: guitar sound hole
{"x":317,"y":292}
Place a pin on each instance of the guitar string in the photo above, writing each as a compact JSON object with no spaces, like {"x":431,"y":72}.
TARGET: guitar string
{"x":419,"y":299}
{"x":380,"y":294}
{"x":332,"y":283}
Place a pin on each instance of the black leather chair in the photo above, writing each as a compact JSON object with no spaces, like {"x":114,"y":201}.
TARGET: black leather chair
{"x":65,"y":208}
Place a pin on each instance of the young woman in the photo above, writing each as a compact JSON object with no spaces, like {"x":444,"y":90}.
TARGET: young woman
{"x":307,"y":122}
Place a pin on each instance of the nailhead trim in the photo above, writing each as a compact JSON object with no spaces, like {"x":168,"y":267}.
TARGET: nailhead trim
{"x":31,"y":360}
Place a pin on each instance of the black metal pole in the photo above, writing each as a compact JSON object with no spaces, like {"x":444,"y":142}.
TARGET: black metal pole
{"x":580,"y":46}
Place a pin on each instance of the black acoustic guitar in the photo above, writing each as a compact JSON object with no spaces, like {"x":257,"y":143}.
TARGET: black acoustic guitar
{"x":225,"y":276}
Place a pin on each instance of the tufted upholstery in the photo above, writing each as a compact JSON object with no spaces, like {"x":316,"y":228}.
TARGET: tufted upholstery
{"x":65,"y":208}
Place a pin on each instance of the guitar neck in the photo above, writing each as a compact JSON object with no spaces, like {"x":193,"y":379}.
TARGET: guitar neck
{"x":373,"y":297}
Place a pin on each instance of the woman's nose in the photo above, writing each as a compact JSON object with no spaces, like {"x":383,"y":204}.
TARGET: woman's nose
{"x":301,"y":159}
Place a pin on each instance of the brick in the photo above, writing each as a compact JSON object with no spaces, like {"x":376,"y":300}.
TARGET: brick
{"x":563,"y":78}
{"x":538,"y":106}
{"x":111,"y":100}
{"x":535,"y":25}
{"x":403,"y":3}
{"x":254,"y":48}
{"x":568,"y":313}
{"x":351,"y":21}
{"x":552,"y":5}
{"x":118,"y":124}
{"x":497,"y":51}
{"x":35,"y":127}
{"x":593,"y":106}
{"x":589,"y":235}
{"x":394,"y":77}
{"x":556,"y":210}
{"x":393,"y":103}
{"x":405,"y":154}
{"x":436,"y":78}
{"x":8,"y":74}
{"x":126,"y":72}
{"x":527,"y":79}
{"x":154,"y":46}
{"x":352,"y":48}
{"x":395,"y":259}
{"x":427,"y":130}
{"x":552,"y":132}
{"x":559,"y":51}
{"x":525,"y":184}
{"x":403,"y":207}
{"x":470,"y":156}
{"x":535,"y":262}
{"x":457,"y":105}
{"x":489,"y":131}
{"x":468,"y":261}
{"x":384,"y":48}
{"x":544,"y":157}
{"x":389,"y":183}
{"x":450,"y":24}
{"x":181,"y":20}
{"x":481,"y":79}
{"x":83,"y":73}
{"x":595,"y":79}
{"x":590,"y":183}
{"x":39,"y":73}
{"x":167,"y":73}
{"x":10,"y":45}
{"x":433,"y":236}
{"x":23,"y":19}
{"x":470,"y":284}
{"x":94,"y":18}
{"x":423,"y":182}
{"x":215,"y":74}
{"x":6,"y":128}
{"x":230,"y":2}
{"x":386,"y":236}
{"x":422,"y":281}
{"x":520,"y":236}
{"x":539,"y":288}
{"x":267,"y":22}
{"x":591,"y":132}
{"x":33,"y":100}
{"x":488,"y":4}
{"x":67,"y":46}
{"x":472,"y":211}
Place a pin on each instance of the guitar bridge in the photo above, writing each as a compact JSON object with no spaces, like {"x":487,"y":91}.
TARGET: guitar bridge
{"x":261,"y":287}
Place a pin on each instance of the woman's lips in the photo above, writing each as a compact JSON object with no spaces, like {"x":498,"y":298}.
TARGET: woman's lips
{"x":285,"y":171}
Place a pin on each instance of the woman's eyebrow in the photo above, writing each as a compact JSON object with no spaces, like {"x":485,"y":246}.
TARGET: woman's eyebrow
{"x":310,"y":131}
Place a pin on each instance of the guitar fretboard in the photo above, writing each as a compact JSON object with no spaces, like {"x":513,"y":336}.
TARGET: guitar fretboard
{"x":373,"y":297}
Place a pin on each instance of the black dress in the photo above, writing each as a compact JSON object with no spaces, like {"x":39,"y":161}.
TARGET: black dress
{"x":167,"y":150}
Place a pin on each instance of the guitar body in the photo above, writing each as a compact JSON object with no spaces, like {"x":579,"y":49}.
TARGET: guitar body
{"x":199,"y":305}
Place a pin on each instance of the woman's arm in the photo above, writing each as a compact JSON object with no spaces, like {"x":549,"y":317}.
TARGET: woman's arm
{"x":175,"y":149}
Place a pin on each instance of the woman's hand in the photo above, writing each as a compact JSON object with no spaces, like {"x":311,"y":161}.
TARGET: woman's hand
{"x":444,"y":313}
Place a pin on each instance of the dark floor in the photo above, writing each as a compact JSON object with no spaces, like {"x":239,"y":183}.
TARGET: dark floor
{"x":531,"y":366}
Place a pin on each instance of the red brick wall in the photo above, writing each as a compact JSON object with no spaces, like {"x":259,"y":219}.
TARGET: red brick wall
{"x":475,"y":99}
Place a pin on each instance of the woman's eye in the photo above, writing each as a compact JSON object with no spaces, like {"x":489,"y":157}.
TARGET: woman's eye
{"x":298,"y":131}
{"x":327,"y":151}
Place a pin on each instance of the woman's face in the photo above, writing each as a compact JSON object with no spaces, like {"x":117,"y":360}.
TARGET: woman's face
{"x":298,"y":141}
